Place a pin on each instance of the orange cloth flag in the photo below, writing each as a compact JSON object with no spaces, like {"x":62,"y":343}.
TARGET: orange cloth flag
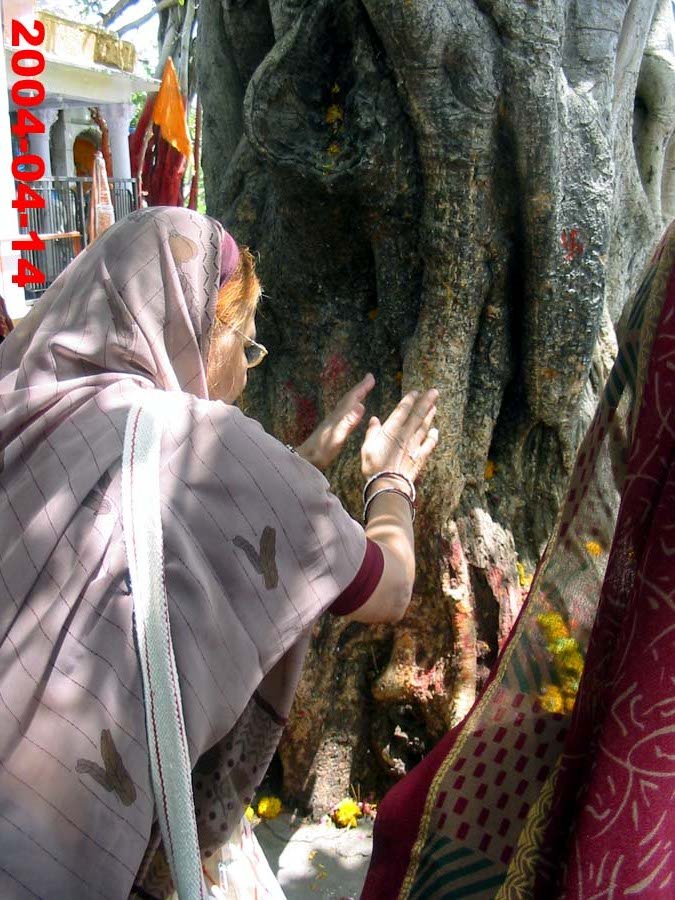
{"x":169,"y":111}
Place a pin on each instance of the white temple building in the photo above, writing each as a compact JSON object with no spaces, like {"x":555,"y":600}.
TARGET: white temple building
{"x":85,"y":67}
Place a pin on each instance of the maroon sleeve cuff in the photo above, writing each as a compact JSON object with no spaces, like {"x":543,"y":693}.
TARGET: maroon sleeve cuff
{"x":364,"y":583}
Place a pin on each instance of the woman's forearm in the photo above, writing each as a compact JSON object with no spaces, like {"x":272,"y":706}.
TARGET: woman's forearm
{"x":390,"y":526}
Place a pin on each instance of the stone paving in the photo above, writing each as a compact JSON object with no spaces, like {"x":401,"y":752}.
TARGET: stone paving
{"x":316,"y":861}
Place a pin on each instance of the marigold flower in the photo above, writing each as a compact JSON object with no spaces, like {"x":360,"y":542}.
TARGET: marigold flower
{"x":569,"y":685}
{"x":552,"y":699}
{"x":269,"y":807}
{"x":553,"y":626}
{"x":346,"y":813}
{"x":250,"y":813}
{"x":571,"y":662}
{"x":334,"y":114}
{"x":562,"y":646}
{"x":568,"y":703}
{"x":594,"y":548}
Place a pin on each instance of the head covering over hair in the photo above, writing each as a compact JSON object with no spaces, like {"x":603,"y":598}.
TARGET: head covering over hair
{"x":255,"y":548}
{"x":229,"y":257}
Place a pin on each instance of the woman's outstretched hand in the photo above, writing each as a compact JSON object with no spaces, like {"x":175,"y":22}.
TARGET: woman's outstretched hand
{"x":405,"y":441}
{"x":329,"y":437}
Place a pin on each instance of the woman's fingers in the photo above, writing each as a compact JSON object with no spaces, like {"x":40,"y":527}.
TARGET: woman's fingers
{"x":356,"y":395}
{"x":351,"y":403}
{"x":364,"y":387}
{"x":423,"y":430}
{"x":418,"y":414}
{"x":398,"y":418}
{"x":347,"y":422}
{"x":426,"y":449}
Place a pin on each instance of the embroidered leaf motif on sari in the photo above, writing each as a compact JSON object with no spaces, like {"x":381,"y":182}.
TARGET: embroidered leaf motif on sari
{"x":263,"y":561}
{"x":114,"y":777}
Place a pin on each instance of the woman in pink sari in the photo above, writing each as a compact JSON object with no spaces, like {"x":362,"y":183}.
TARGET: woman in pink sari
{"x":561,"y":780}
{"x":255,"y":548}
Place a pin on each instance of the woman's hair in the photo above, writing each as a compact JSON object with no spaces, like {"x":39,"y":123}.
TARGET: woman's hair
{"x":238,"y":296}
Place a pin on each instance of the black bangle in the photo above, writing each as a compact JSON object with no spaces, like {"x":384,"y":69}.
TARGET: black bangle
{"x":388,"y":474}
{"x":388,"y":491}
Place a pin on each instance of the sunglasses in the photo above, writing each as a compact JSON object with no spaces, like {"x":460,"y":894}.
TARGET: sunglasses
{"x":253,"y":351}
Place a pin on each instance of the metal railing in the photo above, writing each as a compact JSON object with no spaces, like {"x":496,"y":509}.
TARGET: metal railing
{"x":66,"y":211}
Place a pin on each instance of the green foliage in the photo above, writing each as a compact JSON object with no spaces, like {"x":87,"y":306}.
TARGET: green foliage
{"x":138,"y":99}
{"x":201,"y":200}
{"x":89,"y":8}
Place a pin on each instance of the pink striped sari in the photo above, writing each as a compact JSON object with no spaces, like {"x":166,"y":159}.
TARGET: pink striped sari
{"x":256,"y":548}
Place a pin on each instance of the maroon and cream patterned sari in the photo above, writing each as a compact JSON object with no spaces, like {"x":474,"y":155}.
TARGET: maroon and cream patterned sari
{"x":561,"y":780}
{"x":255,"y":548}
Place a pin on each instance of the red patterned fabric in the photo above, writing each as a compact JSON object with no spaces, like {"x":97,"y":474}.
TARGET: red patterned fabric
{"x":561,"y":780}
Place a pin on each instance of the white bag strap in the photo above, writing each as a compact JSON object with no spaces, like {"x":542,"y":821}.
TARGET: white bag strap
{"x":167,"y":744}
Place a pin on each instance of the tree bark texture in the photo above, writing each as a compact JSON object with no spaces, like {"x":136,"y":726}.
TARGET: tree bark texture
{"x":458,"y":193}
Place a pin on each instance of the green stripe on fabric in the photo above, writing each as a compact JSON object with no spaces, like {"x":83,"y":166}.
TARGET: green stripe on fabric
{"x":631,"y":374}
{"x":532,"y":661}
{"x":433,"y":866}
{"x":523,"y":683}
{"x":636,"y":315}
{"x":455,"y":875}
{"x":429,"y":861}
{"x":478,"y":886}
{"x":615,"y":383}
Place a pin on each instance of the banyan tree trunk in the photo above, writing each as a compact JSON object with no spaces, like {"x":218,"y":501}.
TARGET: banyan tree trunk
{"x":456,"y":193}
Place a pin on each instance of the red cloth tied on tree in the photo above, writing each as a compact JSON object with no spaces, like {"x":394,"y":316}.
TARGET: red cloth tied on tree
{"x":168,"y":147}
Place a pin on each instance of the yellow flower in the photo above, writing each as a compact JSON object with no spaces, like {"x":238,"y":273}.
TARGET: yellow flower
{"x":594,"y":548}
{"x":571,"y":662}
{"x":490,"y":469}
{"x":569,"y":685}
{"x":552,"y":699}
{"x":568,"y":703}
{"x":346,"y":813}
{"x":334,"y":149}
{"x":553,"y":625}
{"x":561,"y":646}
{"x":269,"y":807}
{"x":250,"y":813}
{"x":334,"y":114}
{"x":524,"y":580}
